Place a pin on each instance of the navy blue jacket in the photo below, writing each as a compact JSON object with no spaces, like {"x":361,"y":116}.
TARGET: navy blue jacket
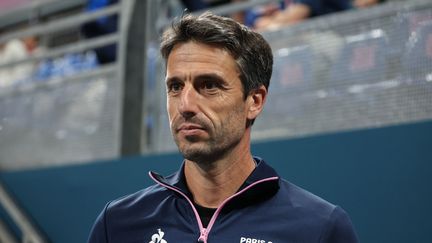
{"x":266,"y":209}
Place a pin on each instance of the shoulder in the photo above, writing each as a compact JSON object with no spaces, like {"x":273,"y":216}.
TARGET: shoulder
{"x":339,"y":228}
{"x":143,"y":198}
{"x":330,"y":220}
{"x":124,"y":212}
{"x":307,"y":205}
{"x":300,"y":198}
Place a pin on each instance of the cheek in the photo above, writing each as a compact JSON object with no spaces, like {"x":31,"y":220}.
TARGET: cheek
{"x":232,"y":115}
{"x":170,"y":110}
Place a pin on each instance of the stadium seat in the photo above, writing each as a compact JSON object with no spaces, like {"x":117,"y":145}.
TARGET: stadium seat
{"x":362,"y":59}
{"x":292,"y":69}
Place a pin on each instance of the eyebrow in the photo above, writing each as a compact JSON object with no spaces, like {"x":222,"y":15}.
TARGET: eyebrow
{"x":172,"y":79}
{"x":210,"y":76}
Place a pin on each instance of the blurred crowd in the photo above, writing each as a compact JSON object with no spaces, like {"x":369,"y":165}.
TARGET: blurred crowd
{"x":263,"y":17}
{"x":284,"y":12}
{"x":19,"y":70}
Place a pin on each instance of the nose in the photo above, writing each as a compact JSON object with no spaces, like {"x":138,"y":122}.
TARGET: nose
{"x":188,"y":102}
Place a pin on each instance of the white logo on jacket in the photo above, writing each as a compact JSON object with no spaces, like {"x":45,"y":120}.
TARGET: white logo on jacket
{"x":252,"y":240}
{"x":157,"y":238}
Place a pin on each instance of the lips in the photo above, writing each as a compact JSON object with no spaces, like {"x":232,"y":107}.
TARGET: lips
{"x":190,"y":130}
{"x":189,"y":127}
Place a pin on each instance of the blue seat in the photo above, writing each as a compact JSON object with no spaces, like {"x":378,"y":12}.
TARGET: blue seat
{"x":292,"y":75}
{"x":362,"y":59}
{"x":292,"y":69}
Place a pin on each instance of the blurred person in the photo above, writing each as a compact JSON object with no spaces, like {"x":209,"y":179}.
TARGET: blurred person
{"x":299,"y":10}
{"x":102,"y":26}
{"x":261,"y":11}
{"x":15,"y":50}
{"x":194,"y":5}
{"x":294,"y":11}
{"x":366,"y":3}
{"x":217,"y":78}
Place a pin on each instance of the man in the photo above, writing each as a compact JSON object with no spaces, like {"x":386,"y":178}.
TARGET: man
{"x":217,"y":77}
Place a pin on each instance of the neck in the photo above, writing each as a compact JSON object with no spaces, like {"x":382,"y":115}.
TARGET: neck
{"x":212,"y":184}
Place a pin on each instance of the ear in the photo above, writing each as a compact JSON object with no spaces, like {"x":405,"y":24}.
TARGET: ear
{"x":256,"y":100}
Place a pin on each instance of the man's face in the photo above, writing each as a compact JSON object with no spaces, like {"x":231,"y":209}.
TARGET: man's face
{"x":205,"y":102}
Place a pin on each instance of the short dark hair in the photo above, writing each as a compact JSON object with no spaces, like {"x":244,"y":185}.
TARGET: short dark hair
{"x":249,"y":49}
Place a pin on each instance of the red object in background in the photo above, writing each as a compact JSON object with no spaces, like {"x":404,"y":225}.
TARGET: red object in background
{"x":6,"y":5}
{"x":363,"y":58}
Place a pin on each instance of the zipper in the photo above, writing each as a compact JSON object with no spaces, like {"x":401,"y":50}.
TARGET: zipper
{"x":205,"y":231}
{"x":203,"y":235}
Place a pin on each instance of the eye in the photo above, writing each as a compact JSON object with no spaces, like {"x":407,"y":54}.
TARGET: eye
{"x":174,"y":87}
{"x":210,"y":85}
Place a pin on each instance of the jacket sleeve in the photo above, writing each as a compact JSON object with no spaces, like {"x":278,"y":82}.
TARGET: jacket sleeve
{"x":340,"y":228}
{"x":98,"y":233}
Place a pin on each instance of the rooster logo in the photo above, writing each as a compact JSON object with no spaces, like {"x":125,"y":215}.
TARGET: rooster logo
{"x":157,"y":238}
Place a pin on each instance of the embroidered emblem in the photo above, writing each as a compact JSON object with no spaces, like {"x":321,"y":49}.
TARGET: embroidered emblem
{"x":157,"y":238}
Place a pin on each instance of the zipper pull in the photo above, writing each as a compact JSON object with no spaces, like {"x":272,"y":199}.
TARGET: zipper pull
{"x":203,"y":236}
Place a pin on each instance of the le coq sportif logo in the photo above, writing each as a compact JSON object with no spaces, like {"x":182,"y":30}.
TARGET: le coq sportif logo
{"x":157,"y":238}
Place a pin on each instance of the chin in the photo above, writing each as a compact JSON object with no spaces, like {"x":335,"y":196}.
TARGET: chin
{"x":192,"y":154}
{"x":197,"y":154}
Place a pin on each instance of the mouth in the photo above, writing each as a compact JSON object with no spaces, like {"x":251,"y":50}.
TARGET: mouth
{"x":190,"y":129}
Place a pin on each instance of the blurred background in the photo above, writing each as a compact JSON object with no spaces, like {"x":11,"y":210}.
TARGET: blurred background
{"x":82,"y":108}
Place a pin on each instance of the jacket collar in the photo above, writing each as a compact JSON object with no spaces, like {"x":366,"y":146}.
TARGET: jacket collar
{"x":259,"y":192}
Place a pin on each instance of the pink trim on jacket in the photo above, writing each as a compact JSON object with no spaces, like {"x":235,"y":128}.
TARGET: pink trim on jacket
{"x":205,"y":231}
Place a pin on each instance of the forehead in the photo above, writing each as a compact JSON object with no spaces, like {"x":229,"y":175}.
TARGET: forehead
{"x":194,"y":56}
